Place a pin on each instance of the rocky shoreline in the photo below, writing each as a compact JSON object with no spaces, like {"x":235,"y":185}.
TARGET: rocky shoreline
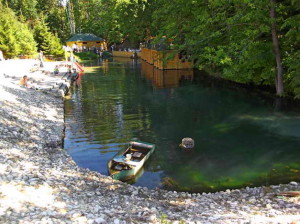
{"x":40,"y":183}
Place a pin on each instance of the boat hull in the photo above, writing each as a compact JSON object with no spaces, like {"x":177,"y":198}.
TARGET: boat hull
{"x":129,"y":174}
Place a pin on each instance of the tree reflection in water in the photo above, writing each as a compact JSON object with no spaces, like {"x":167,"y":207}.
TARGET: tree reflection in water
{"x":241,"y":139}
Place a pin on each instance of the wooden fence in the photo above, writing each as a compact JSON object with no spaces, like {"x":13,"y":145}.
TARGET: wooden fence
{"x":166,"y":78}
{"x":167,"y":59}
{"x":125,"y":54}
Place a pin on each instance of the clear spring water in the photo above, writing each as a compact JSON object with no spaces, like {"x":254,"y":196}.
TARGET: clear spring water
{"x":241,"y":138}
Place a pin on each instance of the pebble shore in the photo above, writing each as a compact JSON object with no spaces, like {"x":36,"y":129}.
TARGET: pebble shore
{"x":40,"y":183}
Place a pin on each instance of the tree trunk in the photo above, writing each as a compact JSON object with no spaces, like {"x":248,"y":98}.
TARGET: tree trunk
{"x":279,"y":76}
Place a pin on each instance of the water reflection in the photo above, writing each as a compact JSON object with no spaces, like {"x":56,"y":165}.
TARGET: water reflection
{"x":240,"y":138}
{"x":166,"y":78}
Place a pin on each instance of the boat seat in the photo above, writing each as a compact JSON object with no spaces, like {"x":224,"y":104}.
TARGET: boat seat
{"x":137,"y":154}
{"x":118,"y":167}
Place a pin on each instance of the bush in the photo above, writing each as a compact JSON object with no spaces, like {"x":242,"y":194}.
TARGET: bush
{"x":15,"y":37}
{"x":84,"y":56}
{"x":47,"y":42}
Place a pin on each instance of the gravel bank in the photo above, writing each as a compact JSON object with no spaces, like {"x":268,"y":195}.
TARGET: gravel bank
{"x":40,"y":183}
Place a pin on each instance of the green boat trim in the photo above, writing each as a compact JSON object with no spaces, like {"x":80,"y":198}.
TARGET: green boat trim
{"x":128,"y":162}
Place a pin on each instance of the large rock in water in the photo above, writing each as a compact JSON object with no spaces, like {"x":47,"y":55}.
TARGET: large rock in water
{"x":187,"y":143}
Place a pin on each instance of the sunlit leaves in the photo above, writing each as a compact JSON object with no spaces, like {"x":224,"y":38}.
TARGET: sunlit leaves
{"x":15,"y":37}
{"x":47,"y":42}
{"x":230,"y":37}
{"x":233,"y":38}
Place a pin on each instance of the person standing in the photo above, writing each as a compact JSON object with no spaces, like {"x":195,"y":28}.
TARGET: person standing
{"x":41,"y":57}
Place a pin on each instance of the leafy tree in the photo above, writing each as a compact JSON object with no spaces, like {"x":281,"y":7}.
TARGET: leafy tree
{"x":108,"y":25}
{"x":233,"y":39}
{"x":114,"y":20}
{"x":15,"y":37}
{"x":26,"y":8}
{"x":290,"y":44}
{"x":135,"y":12}
{"x":54,"y":14}
{"x":98,"y":17}
{"x":279,"y":76}
{"x":47,"y":42}
{"x":240,"y":40}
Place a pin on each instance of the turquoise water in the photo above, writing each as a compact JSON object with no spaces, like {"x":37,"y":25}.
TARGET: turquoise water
{"x":241,"y":138}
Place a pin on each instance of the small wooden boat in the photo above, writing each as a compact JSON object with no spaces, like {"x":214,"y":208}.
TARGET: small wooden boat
{"x":127,"y":163}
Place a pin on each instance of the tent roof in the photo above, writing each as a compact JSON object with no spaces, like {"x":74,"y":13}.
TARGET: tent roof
{"x":85,"y":37}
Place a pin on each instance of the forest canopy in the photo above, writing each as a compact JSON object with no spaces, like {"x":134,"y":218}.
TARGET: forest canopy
{"x":252,"y":42}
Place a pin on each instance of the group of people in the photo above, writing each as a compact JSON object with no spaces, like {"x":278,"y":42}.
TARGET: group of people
{"x":129,"y":49}
{"x":24,"y":80}
{"x":74,"y":78}
{"x":84,"y":48}
{"x":74,"y":73}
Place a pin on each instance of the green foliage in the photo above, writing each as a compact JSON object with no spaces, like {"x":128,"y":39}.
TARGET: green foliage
{"x":106,"y":54}
{"x":233,"y":38}
{"x":134,"y":12}
{"x":25,"y":8}
{"x":15,"y":37}
{"x":291,"y":45}
{"x":55,"y":17}
{"x":107,"y":25}
{"x":114,"y":20}
{"x":47,"y":42}
{"x":229,"y":38}
{"x":82,"y":56}
{"x":164,"y":220}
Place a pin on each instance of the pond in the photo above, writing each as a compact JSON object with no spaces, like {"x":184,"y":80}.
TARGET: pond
{"x":242,"y":138}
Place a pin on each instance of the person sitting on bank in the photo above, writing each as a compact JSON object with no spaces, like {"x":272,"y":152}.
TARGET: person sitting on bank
{"x":23,"y":81}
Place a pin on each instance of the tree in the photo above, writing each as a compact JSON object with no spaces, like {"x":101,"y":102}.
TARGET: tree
{"x":236,"y":40}
{"x":54,"y":14}
{"x":288,"y":13}
{"x":15,"y":37}
{"x":239,"y":40}
{"x":26,"y":8}
{"x":279,"y":77}
{"x":134,"y":19}
{"x":47,"y":42}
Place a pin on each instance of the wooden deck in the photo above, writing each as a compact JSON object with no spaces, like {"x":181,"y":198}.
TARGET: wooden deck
{"x":167,"y":59}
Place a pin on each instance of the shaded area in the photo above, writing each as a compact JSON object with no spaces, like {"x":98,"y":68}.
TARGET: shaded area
{"x":241,"y":139}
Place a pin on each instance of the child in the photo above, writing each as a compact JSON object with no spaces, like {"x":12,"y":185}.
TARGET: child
{"x":23,"y":81}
